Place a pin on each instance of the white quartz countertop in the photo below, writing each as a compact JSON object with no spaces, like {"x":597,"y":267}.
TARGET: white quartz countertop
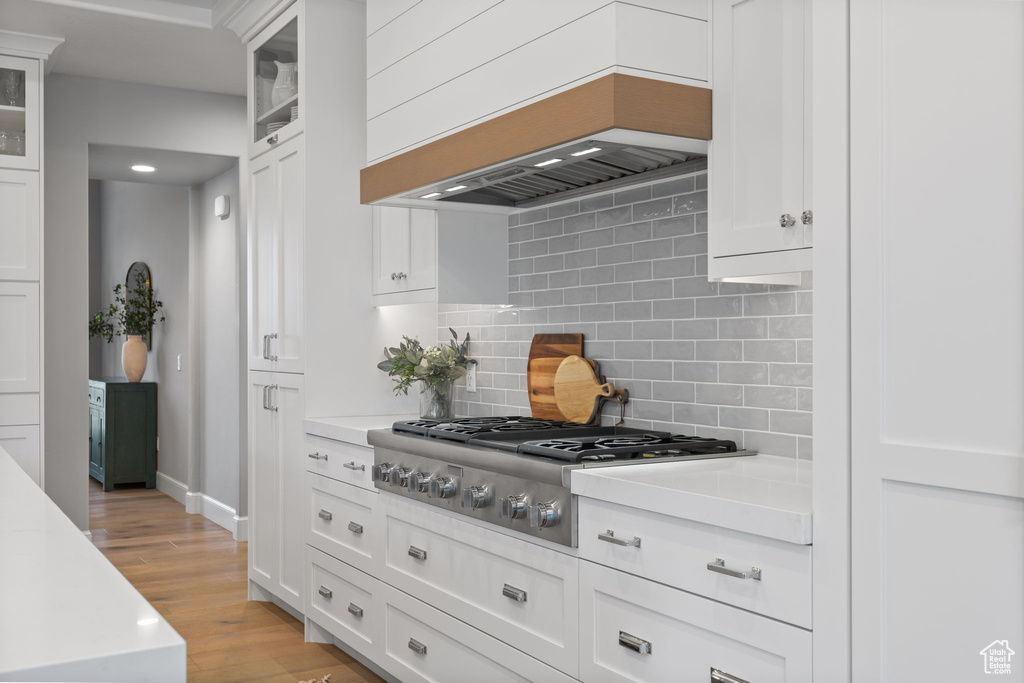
{"x":760,"y":494}
{"x":350,"y":429}
{"x":66,"y":614}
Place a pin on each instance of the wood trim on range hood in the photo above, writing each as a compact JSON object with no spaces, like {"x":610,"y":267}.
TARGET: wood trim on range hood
{"x":613,"y":101}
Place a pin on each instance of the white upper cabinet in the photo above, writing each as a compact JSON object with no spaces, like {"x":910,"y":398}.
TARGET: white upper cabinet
{"x":759,"y":166}
{"x":422,"y":255}
{"x":276,"y":259}
{"x":19,"y":112}
{"x":19,"y":225}
{"x":276,"y":80}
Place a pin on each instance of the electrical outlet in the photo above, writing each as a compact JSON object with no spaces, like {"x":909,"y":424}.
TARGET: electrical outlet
{"x":471,"y":378}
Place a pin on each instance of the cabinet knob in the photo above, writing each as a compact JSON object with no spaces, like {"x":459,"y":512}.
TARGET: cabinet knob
{"x":807,"y":217}
{"x":786,"y":221}
{"x":402,"y":276}
{"x":394,"y":276}
{"x":272,"y":140}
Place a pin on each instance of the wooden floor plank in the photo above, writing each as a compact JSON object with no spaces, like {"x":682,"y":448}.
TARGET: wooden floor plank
{"x":194,"y":574}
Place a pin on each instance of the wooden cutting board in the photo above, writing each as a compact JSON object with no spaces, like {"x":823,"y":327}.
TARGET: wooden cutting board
{"x":546,"y":353}
{"x":578,"y":391}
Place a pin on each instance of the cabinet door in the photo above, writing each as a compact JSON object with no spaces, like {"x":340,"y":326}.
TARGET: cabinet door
{"x":264,"y":484}
{"x":286,"y":403}
{"x":287,"y":349}
{"x":19,"y":341}
{"x":391,"y":228}
{"x":263,"y":210}
{"x":23,"y":115}
{"x":757,"y":161}
{"x":421,"y":272}
{"x":280,"y":41}
{"x":19,"y":225}
{"x":22,"y":443}
{"x":96,"y":442}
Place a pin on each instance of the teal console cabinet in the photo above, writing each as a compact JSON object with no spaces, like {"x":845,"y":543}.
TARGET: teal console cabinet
{"x":122,"y":432}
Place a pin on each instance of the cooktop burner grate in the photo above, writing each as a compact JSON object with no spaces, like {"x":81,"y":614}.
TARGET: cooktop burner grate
{"x":626,"y":446}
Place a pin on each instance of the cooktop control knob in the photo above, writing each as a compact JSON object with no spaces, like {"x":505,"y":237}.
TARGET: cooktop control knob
{"x":442,"y":487}
{"x":475,"y":497}
{"x":419,"y":482}
{"x":399,"y":476}
{"x":543,"y":515}
{"x":513,"y":507}
{"x":381,"y":472}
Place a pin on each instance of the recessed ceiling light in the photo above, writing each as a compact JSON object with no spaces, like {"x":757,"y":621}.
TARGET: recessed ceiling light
{"x":431,"y":195}
{"x":586,"y":151}
{"x":547,"y":163}
{"x":457,"y":187}
{"x":143,"y":168}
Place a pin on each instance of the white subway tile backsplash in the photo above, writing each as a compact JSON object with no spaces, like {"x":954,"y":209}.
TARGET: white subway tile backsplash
{"x":628,"y":270}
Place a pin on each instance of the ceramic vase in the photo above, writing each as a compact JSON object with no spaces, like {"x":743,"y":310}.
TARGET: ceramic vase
{"x":436,"y":401}
{"x":286,"y":84}
{"x":133,"y":358}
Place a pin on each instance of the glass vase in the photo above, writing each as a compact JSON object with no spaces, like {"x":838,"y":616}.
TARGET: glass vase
{"x":436,"y":401}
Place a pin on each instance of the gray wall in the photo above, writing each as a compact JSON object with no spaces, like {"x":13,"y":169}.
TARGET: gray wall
{"x":150,"y":223}
{"x":629,"y":271}
{"x":80,"y":111}
{"x":218,"y":287}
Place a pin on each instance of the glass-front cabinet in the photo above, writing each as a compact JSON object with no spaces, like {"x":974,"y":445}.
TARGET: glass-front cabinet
{"x":19,"y":112}
{"x":276,"y":84}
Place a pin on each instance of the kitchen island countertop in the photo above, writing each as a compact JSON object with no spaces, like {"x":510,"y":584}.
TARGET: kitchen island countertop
{"x":761,"y":494}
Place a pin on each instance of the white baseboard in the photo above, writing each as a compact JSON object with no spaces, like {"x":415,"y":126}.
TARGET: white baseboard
{"x":202,"y":504}
{"x":172,"y":487}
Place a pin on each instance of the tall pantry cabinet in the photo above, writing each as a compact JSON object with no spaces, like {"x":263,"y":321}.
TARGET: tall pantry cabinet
{"x":22,"y":58}
{"x":299,"y":218}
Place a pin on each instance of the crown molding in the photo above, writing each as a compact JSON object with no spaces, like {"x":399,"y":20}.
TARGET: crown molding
{"x":246,"y":18}
{"x":30,"y":45}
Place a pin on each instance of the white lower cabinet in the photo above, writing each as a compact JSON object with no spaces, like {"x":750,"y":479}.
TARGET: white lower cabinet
{"x":276,"y":485}
{"x":341,"y":521}
{"x":347,"y":603}
{"x":636,"y":630}
{"x":22,"y":443}
{"x":338,"y":460}
{"x":520,"y":593}
{"x":422,"y":644}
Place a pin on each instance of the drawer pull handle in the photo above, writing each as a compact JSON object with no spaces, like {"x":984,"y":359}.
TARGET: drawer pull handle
{"x":722,"y":677}
{"x":609,"y":537}
{"x":633,"y":643}
{"x":353,"y":466}
{"x":325,"y":515}
{"x":417,"y":647}
{"x":517,"y":594}
{"x":355,"y":528}
{"x":358,"y":611}
{"x":325,"y":592}
{"x":417,"y":553}
{"x":317,"y":456}
{"x":719,"y":566}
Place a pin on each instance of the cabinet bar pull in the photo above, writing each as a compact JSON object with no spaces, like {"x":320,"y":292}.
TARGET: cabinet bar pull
{"x":722,"y":677}
{"x":358,"y":611}
{"x":272,"y":335}
{"x":633,"y":643}
{"x":355,"y":528}
{"x":353,"y":466}
{"x":609,"y":537}
{"x":325,"y":592}
{"x":272,"y":407}
{"x":265,"y":399}
{"x":325,"y":515}
{"x":417,"y":553}
{"x":517,"y":594}
{"x":316,"y":456}
{"x":266,"y":349}
{"x":272,"y":140}
{"x":417,"y":647}
{"x":719,"y":566}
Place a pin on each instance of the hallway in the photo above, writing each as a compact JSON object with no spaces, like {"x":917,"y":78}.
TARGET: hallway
{"x":194,"y":574}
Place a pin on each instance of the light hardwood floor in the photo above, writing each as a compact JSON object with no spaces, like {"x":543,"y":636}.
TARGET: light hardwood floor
{"x":194,"y":573}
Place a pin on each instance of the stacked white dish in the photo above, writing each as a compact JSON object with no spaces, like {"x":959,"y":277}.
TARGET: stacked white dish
{"x":276,"y":126}
{"x":295,"y":112}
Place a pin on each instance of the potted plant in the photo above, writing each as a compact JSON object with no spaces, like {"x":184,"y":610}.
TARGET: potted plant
{"x":132,"y":315}
{"x":437,"y":367}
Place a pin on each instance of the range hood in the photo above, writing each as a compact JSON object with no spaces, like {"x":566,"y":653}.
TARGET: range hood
{"x":614,"y":131}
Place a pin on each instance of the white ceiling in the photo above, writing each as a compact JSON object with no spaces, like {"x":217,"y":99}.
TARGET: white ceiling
{"x":160,"y":42}
{"x":111,"y":162}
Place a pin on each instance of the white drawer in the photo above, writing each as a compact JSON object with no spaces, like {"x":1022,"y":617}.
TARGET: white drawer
{"x":677,"y":552}
{"x":687,"y":636}
{"x":338,"y":460}
{"x":449,"y":650}
{"x":345,"y":602}
{"x":474,"y":574}
{"x":341,"y":521}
